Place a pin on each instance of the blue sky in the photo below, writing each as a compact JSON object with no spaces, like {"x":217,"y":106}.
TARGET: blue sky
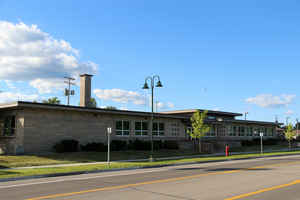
{"x":239,"y":56}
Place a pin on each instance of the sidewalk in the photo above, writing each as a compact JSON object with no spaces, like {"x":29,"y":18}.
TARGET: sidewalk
{"x":145,"y":160}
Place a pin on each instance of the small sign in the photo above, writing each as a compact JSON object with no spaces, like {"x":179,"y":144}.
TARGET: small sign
{"x":261,"y":134}
{"x":109,"y":130}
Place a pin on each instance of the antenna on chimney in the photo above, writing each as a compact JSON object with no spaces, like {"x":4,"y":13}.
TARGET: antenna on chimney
{"x":68,"y":91}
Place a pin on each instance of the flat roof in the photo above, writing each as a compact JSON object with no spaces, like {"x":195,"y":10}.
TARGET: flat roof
{"x":191,"y":111}
{"x":24,"y":104}
{"x":169,"y":114}
{"x":253,"y":122}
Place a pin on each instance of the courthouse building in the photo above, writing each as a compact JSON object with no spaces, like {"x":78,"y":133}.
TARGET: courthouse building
{"x":27,"y":127}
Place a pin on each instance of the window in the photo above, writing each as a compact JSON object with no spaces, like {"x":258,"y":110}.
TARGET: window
{"x":256,"y":131}
{"x":210,"y":132}
{"x":158,"y":129}
{"x":230,"y":130}
{"x":270,"y":131}
{"x":249,"y":131}
{"x":266,"y":132}
{"x":122,"y":128}
{"x":235,"y":130}
{"x":175,"y":129}
{"x":141,"y":128}
{"x":8,"y":126}
{"x":241,"y":131}
{"x":211,"y":117}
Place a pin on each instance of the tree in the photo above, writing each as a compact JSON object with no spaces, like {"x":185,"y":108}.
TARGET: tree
{"x":289,"y":134}
{"x":93,"y":103}
{"x":199,"y":128}
{"x":53,"y":100}
{"x":110,"y":108}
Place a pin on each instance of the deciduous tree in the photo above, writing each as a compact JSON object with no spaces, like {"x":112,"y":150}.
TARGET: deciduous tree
{"x":289,"y":134}
{"x":199,"y":128}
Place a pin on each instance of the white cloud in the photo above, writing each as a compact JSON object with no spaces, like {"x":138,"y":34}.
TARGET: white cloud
{"x":31,"y":55}
{"x":161,"y":105}
{"x":270,"y":101}
{"x":10,"y":84}
{"x":6,"y":97}
{"x":125,"y":96}
{"x":47,"y":85}
{"x":120,"y":96}
{"x":170,"y":105}
{"x":289,"y":112}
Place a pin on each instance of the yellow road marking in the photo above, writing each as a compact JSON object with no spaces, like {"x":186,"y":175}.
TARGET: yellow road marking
{"x":154,"y":182}
{"x":264,"y":190}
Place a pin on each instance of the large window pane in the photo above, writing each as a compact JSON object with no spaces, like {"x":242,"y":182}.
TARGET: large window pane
{"x":161,"y":126}
{"x":119,"y":125}
{"x":145,"y":126}
{"x":155,"y":126}
{"x":138,"y":126}
{"x":126,"y":125}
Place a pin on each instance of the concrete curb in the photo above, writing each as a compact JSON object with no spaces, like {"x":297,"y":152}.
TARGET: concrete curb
{"x":134,"y":168}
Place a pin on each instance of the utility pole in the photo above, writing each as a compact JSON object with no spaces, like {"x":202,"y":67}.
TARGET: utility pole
{"x":246,"y":113}
{"x":68,"y":91}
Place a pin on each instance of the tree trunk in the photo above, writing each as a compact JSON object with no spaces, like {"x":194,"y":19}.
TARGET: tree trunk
{"x":290,"y":145}
{"x":200,"y":150}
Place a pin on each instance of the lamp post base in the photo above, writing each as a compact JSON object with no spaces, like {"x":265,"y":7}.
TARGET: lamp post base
{"x":151,"y":159}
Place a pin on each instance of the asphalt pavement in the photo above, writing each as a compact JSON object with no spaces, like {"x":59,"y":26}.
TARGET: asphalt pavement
{"x":264,"y":178}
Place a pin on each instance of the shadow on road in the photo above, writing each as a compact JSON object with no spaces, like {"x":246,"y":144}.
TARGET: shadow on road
{"x":232,"y":169}
{"x":190,"y":168}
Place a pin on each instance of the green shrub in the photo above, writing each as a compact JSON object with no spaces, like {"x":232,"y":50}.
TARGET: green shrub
{"x":256,"y":142}
{"x":158,"y":144}
{"x":118,"y":145}
{"x":139,"y":145}
{"x":66,"y":146}
{"x":171,"y":144}
{"x":94,"y":146}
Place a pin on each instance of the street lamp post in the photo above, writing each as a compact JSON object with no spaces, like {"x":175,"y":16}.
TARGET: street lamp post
{"x":108,"y":145}
{"x":152,"y":80}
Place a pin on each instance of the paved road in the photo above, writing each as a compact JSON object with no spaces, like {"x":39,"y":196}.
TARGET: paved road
{"x":261,"y":179}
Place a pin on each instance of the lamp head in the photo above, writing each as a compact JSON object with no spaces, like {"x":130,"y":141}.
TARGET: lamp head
{"x":159,"y":84}
{"x":145,"y":87}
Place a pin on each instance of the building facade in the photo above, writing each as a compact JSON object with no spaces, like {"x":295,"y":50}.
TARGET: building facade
{"x":31,"y":128}
{"x":34,"y":127}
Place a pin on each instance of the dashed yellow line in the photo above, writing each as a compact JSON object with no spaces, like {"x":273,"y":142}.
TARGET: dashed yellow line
{"x":264,"y":190}
{"x":154,"y":182}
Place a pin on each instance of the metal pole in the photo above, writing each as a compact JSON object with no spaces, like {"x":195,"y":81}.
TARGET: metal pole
{"x":151,"y":123}
{"x":108,"y":145}
{"x":246,"y":113}
{"x":261,"y":144}
{"x":69,"y":92}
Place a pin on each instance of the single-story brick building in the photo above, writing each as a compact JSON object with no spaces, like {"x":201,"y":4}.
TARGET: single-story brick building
{"x":27,"y":127}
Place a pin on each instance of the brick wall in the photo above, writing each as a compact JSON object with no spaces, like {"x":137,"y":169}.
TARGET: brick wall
{"x":44,"y":128}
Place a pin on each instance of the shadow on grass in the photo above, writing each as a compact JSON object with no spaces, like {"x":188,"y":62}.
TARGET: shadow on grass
{"x":114,"y":155}
{"x":5,"y":173}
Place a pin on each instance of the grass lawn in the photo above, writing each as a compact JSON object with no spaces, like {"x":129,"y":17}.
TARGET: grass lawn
{"x":11,"y":173}
{"x":81,"y":157}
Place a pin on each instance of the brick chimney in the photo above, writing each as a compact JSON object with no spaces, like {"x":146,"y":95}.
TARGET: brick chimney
{"x":85,"y":90}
